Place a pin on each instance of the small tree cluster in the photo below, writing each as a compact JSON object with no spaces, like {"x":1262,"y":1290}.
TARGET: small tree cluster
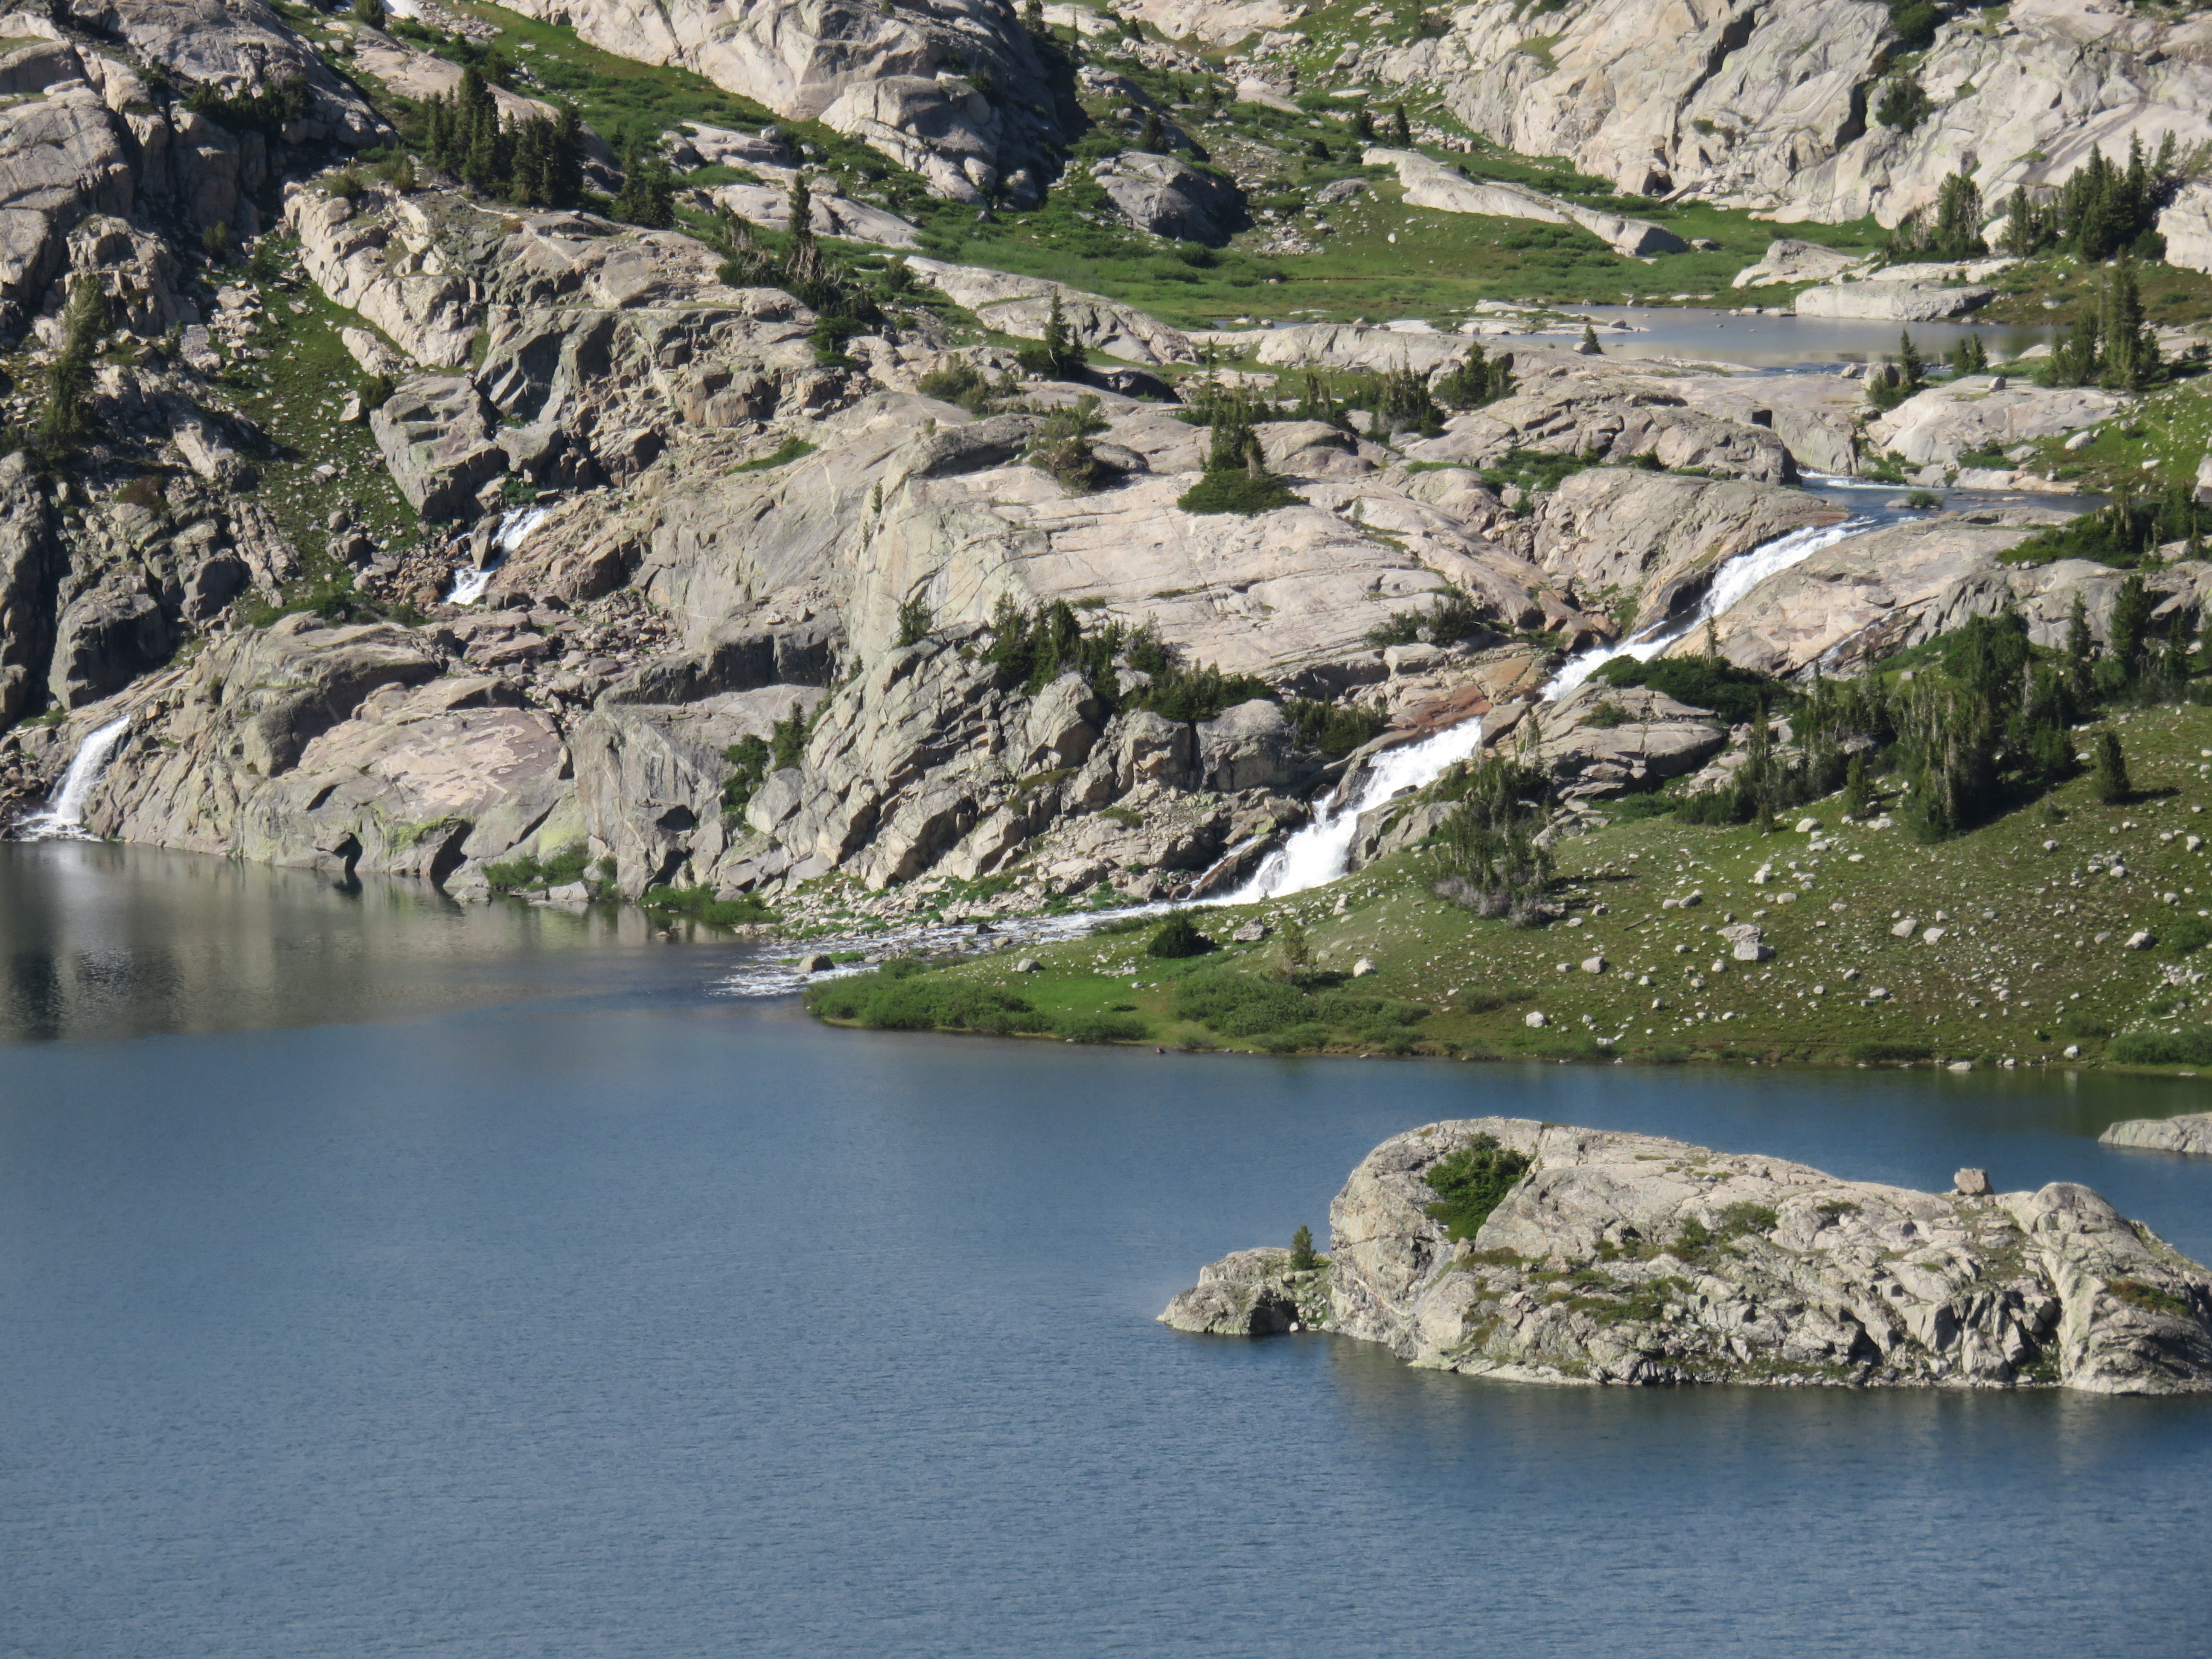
{"x":1954,"y":232}
{"x":1475,"y":380}
{"x":2111,"y":345}
{"x":1492,"y":862}
{"x":2103,"y":211}
{"x":534,"y":163}
{"x":1058,"y":356}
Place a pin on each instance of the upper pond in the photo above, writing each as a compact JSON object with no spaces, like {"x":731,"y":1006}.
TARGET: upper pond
{"x":381,"y":1277}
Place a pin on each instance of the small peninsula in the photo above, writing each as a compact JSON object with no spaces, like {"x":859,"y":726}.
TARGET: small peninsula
{"x":1542,"y":1253}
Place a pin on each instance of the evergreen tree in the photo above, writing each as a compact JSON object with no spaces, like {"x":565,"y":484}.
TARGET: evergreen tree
{"x":2131,"y":357}
{"x":1363,"y":126}
{"x":2109,"y":778}
{"x":1911,"y":367}
{"x":1302,"y":1259}
{"x":1152,"y":140}
{"x":1402,"y":130}
{"x":2081,"y":645}
{"x":648,"y":196}
{"x":67,"y":415}
{"x":1858,"y":790}
{"x":1958,"y":219}
{"x":2131,"y":615}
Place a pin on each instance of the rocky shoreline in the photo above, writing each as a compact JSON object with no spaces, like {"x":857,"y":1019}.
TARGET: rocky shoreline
{"x":1543,"y":1252}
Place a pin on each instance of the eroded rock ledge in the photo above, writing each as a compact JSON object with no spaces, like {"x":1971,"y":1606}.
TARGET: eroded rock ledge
{"x":1625,"y":1258}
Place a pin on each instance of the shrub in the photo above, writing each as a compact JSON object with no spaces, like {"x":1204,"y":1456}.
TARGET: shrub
{"x":2151,"y":1298}
{"x":2190,"y":1048}
{"x":1877,"y":1052}
{"x":528,"y":873}
{"x":1711,"y":683}
{"x":1239,"y":1006}
{"x":1178,"y":937}
{"x":2087,"y":1027}
{"x":1471,"y":1182}
{"x":1236,"y":492}
{"x":914,"y":1001}
{"x":1331,"y":728}
{"x":699,"y":904}
{"x":1102,"y":1027}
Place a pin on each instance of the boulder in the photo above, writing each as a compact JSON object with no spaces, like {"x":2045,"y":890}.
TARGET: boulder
{"x":1985,"y":412}
{"x":2186,"y":224}
{"x":1892,"y":301}
{"x":1695,"y":1265}
{"x":436,"y":432}
{"x":1433,"y":184}
{"x":1021,"y":305}
{"x":1602,"y":741}
{"x":377,"y":255}
{"x":830,"y":215}
{"x":1788,"y":260}
{"x":2189,"y":1133}
{"x":1171,"y":198}
{"x":104,"y":640}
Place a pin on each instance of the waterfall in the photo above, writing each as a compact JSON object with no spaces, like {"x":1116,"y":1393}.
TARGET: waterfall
{"x":65,"y":819}
{"x":1733,"y":579}
{"x":514,"y":527}
{"x":1321,"y":852}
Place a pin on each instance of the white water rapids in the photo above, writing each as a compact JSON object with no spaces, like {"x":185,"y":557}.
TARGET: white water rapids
{"x":65,"y":819}
{"x":1733,"y":579}
{"x":514,"y":528}
{"x":1320,"y":852}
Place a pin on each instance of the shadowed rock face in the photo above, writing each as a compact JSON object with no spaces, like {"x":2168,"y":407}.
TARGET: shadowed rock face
{"x":1623,"y":1258}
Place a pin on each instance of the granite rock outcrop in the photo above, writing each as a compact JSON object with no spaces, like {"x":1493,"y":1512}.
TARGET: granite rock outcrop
{"x":1626,"y":1259}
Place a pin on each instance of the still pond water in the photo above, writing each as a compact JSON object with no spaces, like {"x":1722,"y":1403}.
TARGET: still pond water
{"x":381,"y":1277}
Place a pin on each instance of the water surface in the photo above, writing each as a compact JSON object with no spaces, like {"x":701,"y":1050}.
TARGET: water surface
{"x":601,"y":1315}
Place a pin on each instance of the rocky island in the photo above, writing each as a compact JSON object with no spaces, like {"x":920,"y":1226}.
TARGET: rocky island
{"x":2189,"y":1133}
{"x":1540,"y":1252}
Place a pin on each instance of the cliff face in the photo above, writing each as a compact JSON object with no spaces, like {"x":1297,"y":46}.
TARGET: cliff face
{"x":952,"y":89}
{"x":1768,"y":107}
{"x":689,"y":527}
{"x":1625,"y":1258}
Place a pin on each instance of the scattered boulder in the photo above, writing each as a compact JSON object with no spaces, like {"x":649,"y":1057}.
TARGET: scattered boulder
{"x":1171,"y":198}
{"x":1788,"y":260}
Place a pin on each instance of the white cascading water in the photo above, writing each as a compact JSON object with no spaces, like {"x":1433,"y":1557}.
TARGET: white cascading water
{"x":514,"y":528}
{"x":1321,"y":852}
{"x":1735,"y":579}
{"x":65,"y":819}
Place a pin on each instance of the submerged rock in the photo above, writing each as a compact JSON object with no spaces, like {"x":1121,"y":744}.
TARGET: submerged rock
{"x":2191,"y":1133}
{"x":1627,"y":1258}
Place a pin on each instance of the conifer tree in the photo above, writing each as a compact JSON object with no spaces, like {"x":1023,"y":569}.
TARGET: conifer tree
{"x":1402,"y":130}
{"x":2110,"y":777}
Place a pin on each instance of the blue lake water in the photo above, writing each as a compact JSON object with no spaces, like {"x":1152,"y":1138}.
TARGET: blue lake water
{"x":379,"y":1277}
